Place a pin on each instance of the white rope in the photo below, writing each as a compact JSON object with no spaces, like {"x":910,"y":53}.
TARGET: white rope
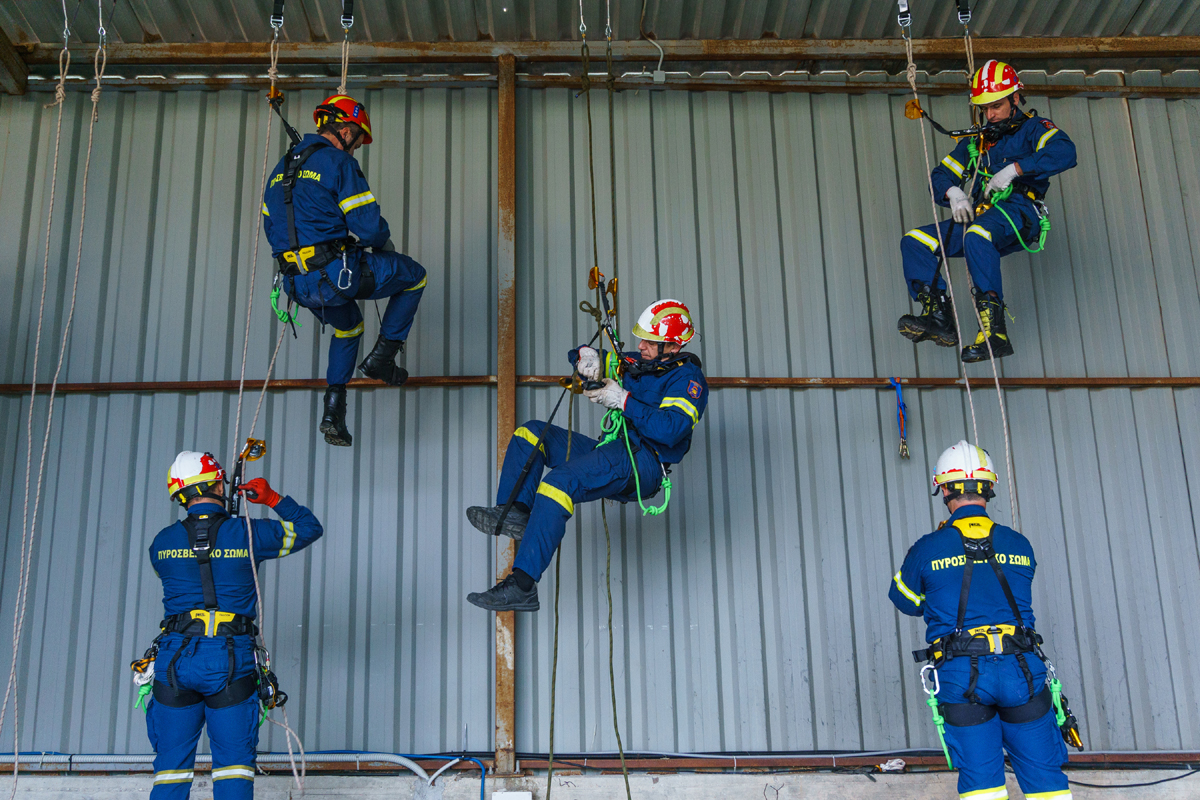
{"x":29,"y":520}
{"x":911,"y":74}
{"x":347,"y":24}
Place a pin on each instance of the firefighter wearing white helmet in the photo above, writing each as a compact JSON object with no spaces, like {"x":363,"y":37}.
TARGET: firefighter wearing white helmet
{"x":662,"y":395}
{"x":201,"y":669}
{"x":972,"y":581}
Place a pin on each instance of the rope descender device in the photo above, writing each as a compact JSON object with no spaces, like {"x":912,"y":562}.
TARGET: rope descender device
{"x":253,"y":451}
{"x":901,"y":417}
{"x":938,"y":720}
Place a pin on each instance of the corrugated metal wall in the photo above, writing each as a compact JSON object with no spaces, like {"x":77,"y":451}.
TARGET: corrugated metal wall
{"x":753,"y":616}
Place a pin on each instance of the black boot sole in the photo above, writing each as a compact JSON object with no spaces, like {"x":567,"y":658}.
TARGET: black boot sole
{"x":397,"y":378}
{"x":971,"y":355}
{"x":334,"y":436}
{"x":485,"y":522}
{"x":918,"y":333}
{"x":477,"y":599}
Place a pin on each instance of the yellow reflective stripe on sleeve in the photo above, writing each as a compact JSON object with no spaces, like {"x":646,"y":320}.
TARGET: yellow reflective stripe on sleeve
{"x":420,"y":285}
{"x":350,"y":334}
{"x":289,"y":538}
{"x":924,"y":238}
{"x":907,"y":592}
{"x":243,"y":771}
{"x":984,"y":232}
{"x":953,"y":165}
{"x":1042,"y":143}
{"x":558,"y":496}
{"x":526,"y":434}
{"x":683,"y":405}
{"x":353,"y":202}
{"x":265,"y":212}
{"x":1061,"y":794}
{"x":173,"y":776}
{"x":999,"y":793}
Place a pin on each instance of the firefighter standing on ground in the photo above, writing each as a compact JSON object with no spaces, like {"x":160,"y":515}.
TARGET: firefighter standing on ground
{"x":1019,"y":149}
{"x":980,"y":630}
{"x":327,"y":271}
{"x":204,"y":671}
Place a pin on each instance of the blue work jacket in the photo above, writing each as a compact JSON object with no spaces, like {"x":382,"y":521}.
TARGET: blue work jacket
{"x":930,"y":581}
{"x":663,"y":407}
{"x":175,"y":564}
{"x":331,"y":199}
{"x":1039,"y":147}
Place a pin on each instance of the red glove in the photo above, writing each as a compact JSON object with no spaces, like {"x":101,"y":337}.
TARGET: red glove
{"x":259,"y":491}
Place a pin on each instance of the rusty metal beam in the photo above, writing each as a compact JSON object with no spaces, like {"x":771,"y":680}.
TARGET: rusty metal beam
{"x":1012,"y":48}
{"x":506,"y":396}
{"x":508,"y":412}
{"x":14,"y":72}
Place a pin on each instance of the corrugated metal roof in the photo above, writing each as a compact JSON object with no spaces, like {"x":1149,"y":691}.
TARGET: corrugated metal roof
{"x":548,"y":20}
{"x":753,"y":615}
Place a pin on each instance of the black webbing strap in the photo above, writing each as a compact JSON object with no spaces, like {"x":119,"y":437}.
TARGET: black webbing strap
{"x":202,"y":538}
{"x":277,"y":14}
{"x":1008,"y":595}
{"x":294,"y":162}
{"x":347,"y":13}
{"x":964,"y":594}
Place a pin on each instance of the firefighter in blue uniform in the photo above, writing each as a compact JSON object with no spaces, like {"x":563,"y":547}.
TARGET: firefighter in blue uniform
{"x":1020,"y":150}
{"x":204,"y":670}
{"x":662,"y":401}
{"x":972,"y":581}
{"x":316,"y":198}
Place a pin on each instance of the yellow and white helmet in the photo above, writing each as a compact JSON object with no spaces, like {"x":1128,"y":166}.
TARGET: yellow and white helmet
{"x":192,"y":475}
{"x":965,"y":469}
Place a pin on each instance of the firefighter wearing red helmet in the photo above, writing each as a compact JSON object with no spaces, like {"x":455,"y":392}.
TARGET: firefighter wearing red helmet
{"x":320,"y":217}
{"x":1018,"y":149}
{"x":662,"y":396}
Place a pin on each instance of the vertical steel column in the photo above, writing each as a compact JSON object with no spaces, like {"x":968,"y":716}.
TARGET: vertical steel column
{"x":506,"y":398}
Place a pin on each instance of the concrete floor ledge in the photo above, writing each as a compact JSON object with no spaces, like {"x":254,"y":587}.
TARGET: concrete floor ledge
{"x":784,"y":786}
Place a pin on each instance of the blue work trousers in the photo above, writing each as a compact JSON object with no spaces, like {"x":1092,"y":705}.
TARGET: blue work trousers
{"x":1036,"y":748}
{"x":397,"y":277}
{"x":983,"y":242}
{"x":591,"y":474}
{"x":232,"y":731}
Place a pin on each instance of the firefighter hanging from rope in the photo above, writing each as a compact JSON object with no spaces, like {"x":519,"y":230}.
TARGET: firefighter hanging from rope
{"x":993,"y":182}
{"x":320,"y":215}
{"x":654,"y":397}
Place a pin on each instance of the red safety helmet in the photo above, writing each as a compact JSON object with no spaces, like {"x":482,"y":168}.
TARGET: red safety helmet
{"x":192,"y":475}
{"x":343,"y":108}
{"x":665,"y":321}
{"x":992,"y":81}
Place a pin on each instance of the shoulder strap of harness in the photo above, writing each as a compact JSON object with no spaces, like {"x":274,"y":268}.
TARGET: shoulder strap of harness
{"x":978,"y":550}
{"x":202,"y":537}
{"x":294,"y":161}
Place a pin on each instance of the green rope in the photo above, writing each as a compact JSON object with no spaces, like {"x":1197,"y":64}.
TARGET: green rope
{"x":613,"y":425}
{"x":940,"y":722}
{"x":999,"y":197}
{"x":285,"y":316}
{"x":1060,"y":715}
{"x":144,"y":692}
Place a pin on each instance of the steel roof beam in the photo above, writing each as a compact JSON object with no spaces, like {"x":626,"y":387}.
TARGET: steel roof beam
{"x":14,"y":72}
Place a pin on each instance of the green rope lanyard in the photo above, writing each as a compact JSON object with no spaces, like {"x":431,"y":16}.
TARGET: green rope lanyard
{"x":1060,"y":715}
{"x":613,"y":425}
{"x":284,"y":316}
{"x":999,"y":197}
{"x":940,"y":722}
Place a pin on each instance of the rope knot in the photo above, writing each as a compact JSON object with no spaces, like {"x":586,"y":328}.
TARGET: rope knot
{"x":60,"y":94}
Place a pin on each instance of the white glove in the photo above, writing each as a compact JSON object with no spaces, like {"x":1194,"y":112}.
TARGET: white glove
{"x":588,"y":363}
{"x":960,"y":205}
{"x":1001,"y":180}
{"x":610,"y":395}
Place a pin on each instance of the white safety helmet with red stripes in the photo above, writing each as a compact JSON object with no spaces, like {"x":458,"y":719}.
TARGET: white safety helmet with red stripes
{"x":965,"y":469}
{"x":193,"y":475}
{"x":665,"y":321}
{"x":993,"y":81}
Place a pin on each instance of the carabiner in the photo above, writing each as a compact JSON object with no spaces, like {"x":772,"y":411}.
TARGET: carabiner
{"x":937,"y":685}
{"x":344,"y":274}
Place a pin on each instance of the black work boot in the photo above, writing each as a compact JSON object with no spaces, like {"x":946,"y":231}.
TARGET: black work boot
{"x":936,"y":320}
{"x":993,"y":330}
{"x":333,"y":423}
{"x":379,"y":363}
{"x":506,"y":596}
{"x":485,"y":519}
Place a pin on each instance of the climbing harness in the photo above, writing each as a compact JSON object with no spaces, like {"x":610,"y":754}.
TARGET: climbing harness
{"x":29,"y":520}
{"x":905,"y":20}
{"x":991,"y":640}
{"x":901,"y":417}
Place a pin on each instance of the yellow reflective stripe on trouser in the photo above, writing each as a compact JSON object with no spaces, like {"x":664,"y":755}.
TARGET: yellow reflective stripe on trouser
{"x":907,"y":592}
{"x":982,"y":231}
{"x":1061,"y":794}
{"x":420,"y":285}
{"x":683,"y":405}
{"x":526,"y":434}
{"x":999,"y":793}
{"x":953,"y":165}
{"x":353,"y":202}
{"x":558,"y":496}
{"x":173,"y":776}
{"x":244,"y":771}
{"x":289,"y":538}
{"x":265,"y":212}
{"x":350,"y":334}
{"x":924,"y":238}
{"x":1042,"y":143}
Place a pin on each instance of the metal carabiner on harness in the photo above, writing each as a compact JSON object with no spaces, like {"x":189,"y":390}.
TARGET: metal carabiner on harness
{"x":345,"y":274}
{"x":939,"y":721}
